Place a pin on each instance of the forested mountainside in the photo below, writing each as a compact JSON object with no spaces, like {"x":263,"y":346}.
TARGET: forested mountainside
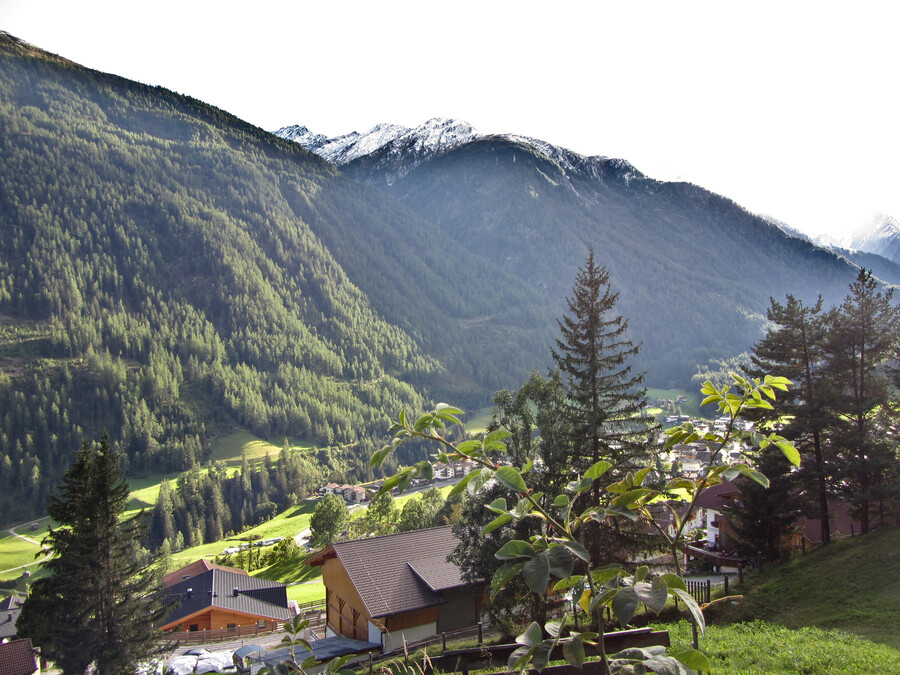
{"x":168,"y":271}
{"x":695,"y":270}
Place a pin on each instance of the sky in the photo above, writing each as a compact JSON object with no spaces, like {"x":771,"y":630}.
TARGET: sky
{"x":788,"y":107}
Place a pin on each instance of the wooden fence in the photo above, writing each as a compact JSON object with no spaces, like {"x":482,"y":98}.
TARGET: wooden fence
{"x":217,"y":634}
{"x":702,"y":591}
{"x":492,"y":656}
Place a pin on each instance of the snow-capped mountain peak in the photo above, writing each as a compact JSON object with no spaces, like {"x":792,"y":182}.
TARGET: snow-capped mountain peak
{"x":398,"y":149}
{"x":874,"y":233}
{"x":433,"y":137}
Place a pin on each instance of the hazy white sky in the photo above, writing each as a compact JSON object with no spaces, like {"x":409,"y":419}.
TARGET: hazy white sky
{"x":789,"y":108}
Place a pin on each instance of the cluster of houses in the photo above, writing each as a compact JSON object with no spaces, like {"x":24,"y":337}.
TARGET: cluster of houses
{"x":352,"y":494}
{"x":356,"y":494}
{"x":692,"y":459}
{"x":383,"y":592}
{"x":380,"y":592}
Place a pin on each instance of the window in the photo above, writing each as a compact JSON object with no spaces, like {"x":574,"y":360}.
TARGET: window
{"x":232,"y":626}
{"x":194,"y":627}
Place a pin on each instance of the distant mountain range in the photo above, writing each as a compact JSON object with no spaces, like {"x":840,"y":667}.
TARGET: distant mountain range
{"x":875,"y":245}
{"x":695,"y":269}
{"x":169,"y":272}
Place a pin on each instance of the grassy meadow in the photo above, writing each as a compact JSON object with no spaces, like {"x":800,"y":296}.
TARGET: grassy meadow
{"x":765,"y":647}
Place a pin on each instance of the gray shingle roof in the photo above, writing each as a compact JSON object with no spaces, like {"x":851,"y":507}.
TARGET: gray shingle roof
{"x":215,"y":588}
{"x":10,"y":608}
{"x":400,"y":572}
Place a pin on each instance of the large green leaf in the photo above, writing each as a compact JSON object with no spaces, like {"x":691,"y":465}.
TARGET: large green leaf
{"x":515,"y":549}
{"x":461,"y":485}
{"x":536,"y":573}
{"x":499,"y":521}
{"x":573,"y":650}
{"x":654,"y":594}
{"x":790,"y":452}
{"x":694,"y":660}
{"x":511,"y":478}
{"x":597,"y":470}
{"x":561,"y":562}
{"x":625,"y":604}
{"x":532,"y":635}
{"x":693,"y":608}
{"x":542,"y":654}
{"x":503,"y":576}
{"x":576,"y":548}
{"x":756,"y":476}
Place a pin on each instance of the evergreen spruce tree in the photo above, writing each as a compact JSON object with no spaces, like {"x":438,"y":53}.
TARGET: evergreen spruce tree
{"x":98,"y":605}
{"x":862,"y":342}
{"x":766,"y":515}
{"x":605,"y":401}
{"x":601,"y":415}
{"x":794,"y":348}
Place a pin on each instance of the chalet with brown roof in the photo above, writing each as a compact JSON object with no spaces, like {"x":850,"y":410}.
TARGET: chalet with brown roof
{"x":385,"y":589}
{"x":18,"y":658}
{"x":224,"y":598}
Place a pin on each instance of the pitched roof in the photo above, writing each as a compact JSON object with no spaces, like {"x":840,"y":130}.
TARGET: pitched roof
{"x":17,"y":658}
{"x":716,"y":497}
{"x":228,"y":590}
{"x":398,"y":572}
{"x":10,"y":608}
{"x":195,"y":568}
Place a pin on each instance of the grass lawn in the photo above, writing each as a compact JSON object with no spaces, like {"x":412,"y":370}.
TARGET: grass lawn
{"x":762,"y":647}
{"x":477,"y":420}
{"x":15,"y":552}
{"x":230,"y":448}
{"x":285,"y":524}
{"x":689,"y":407}
{"x":851,"y":585}
{"x":306,"y":592}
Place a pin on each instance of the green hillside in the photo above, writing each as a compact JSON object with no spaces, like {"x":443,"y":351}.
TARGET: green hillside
{"x":851,"y":585}
{"x":169,"y":272}
{"x":695,"y":270}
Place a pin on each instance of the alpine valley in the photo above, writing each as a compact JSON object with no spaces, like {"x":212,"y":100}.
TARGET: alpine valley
{"x":169,"y":272}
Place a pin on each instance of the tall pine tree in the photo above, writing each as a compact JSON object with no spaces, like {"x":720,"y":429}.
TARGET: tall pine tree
{"x":602,"y":409}
{"x":862,"y":343}
{"x":99,"y":604}
{"x":605,"y":401}
{"x":794,"y":348}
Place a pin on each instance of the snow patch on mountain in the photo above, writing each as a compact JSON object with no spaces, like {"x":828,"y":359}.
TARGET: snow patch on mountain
{"x":877,"y":235}
{"x":431,"y":138}
{"x":397,"y":149}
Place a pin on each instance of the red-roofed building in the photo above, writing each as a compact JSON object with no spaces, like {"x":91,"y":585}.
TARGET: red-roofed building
{"x":18,"y":658}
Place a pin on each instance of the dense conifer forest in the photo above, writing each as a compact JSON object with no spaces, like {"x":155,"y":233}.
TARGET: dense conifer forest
{"x":167,"y":272}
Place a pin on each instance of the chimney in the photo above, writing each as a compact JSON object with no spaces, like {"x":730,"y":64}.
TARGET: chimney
{"x":235,"y":591}
{"x":189,"y":593}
